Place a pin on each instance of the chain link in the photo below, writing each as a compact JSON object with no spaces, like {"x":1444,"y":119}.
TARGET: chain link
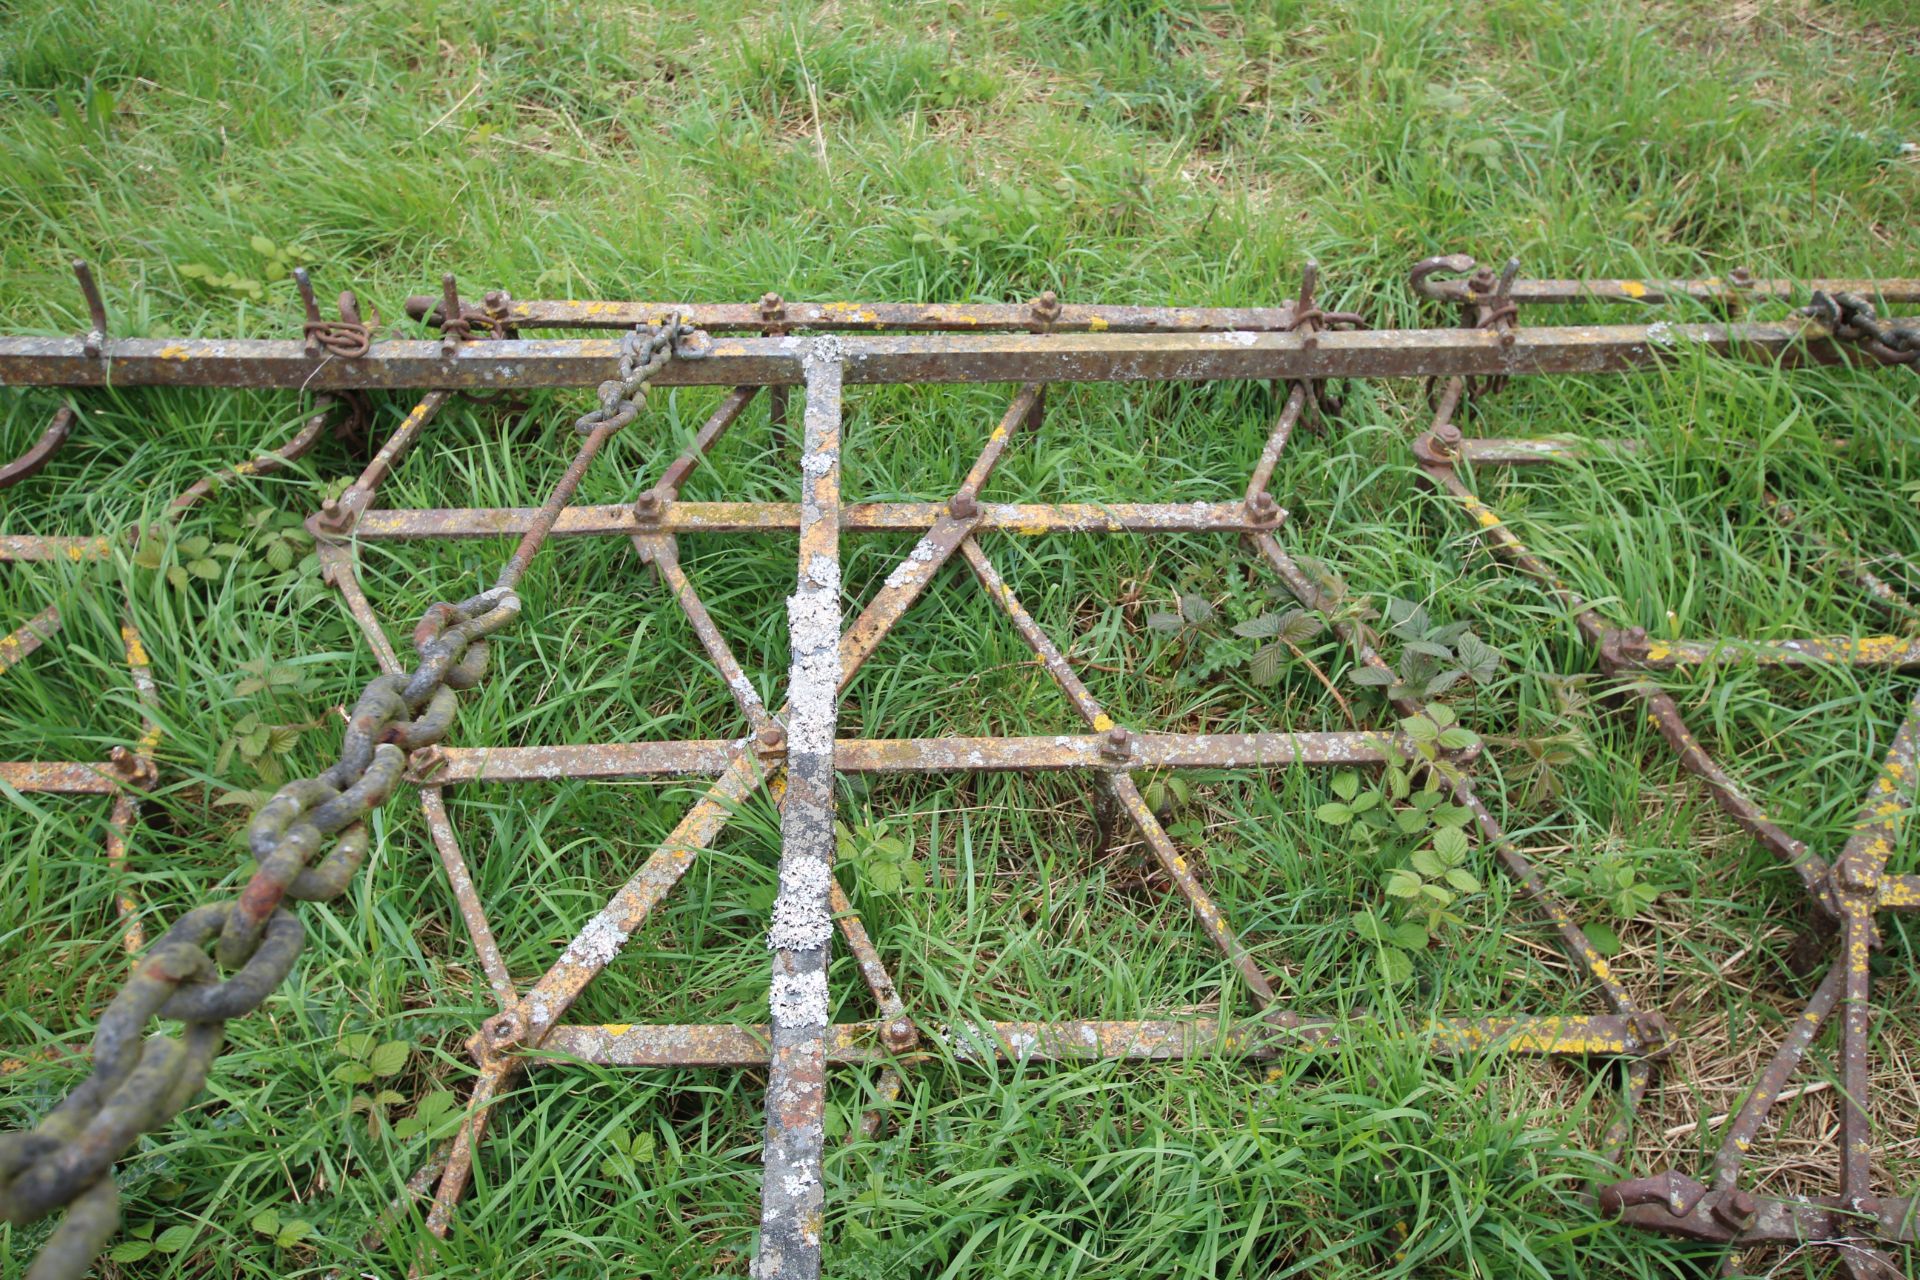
{"x":1851,"y":318}
{"x":643,"y":353}
{"x":138,"y":1085}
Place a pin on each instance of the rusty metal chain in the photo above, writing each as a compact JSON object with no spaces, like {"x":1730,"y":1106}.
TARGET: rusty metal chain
{"x":1851,"y":318}
{"x":643,"y":353}
{"x":136,"y":1086}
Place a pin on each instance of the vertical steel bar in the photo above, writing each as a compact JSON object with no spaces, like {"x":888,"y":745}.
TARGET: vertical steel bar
{"x":1779,"y":1069}
{"x":1277,"y":441}
{"x":667,"y":488}
{"x":337,"y":515}
{"x":126,"y":800}
{"x":1856,"y":1113}
{"x":792,"y":1191}
{"x":662,"y":551}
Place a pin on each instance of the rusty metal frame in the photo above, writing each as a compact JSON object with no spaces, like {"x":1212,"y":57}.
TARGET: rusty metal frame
{"x":795,"y":751}
{"x":1843,"y":894}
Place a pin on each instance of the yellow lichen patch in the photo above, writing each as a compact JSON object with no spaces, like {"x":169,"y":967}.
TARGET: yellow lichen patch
{"x":616,"y":1028}
{"x":1097,"y":324}
{"x":1633,"y":288}
{"x":1102,"y":722}
{"x":1659,"y":652}
{"x":998,"y":433}
{"x":173,"y":351}
{"x":136,"y":652}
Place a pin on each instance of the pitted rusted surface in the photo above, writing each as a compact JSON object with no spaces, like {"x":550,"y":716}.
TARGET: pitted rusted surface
{"x":1027,"y":357}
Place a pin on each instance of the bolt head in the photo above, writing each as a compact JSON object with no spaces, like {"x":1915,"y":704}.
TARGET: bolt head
{"x":502,"y":1032}
{"x":1448,"y":437}
{"x":1116,"y":745}
{"x":1741,"y":277}
{"x":427,"y":761}
{"x":964,"y":506}
{"x":898,"y":1034}
{"x":647,"y":506}
{"x":772,"y":737}
{"x":1736,"y":1209}
{"x":1856,"y":876}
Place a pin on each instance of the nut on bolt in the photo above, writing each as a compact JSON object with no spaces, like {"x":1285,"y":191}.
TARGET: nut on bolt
{"x":649,"y":505}
{"x":1262,"y":509}
{"x":133,"y":770}
{"x":1448,"y":438}
{"x":899,"y":1035}
{"x":1046,"y":307}
{"x":1117,"y":745}
{"x":963,"y":506}
{"x":427,"y":761}
{"x":771,"y":737}
{"x":502,"y":1032}
{"x":1856,"y":874}
{"x":1736,"y":1209}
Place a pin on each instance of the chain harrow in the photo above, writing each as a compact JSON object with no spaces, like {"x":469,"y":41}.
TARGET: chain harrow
{"x":1851,"y":318}
{"x":135,"y":1086}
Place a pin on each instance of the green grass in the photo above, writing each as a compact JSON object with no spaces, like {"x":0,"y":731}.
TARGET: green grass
{"x":1151,"y":151}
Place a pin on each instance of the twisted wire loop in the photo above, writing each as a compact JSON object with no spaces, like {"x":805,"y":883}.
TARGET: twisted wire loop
{"x":349,"y":337}
{"x":136,"y":1086}
{"x":1852,"y":318}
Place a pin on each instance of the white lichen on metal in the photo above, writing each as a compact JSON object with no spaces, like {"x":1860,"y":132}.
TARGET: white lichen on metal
{"x":798,"y":999}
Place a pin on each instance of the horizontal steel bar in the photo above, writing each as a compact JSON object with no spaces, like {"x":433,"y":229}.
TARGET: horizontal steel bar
{"x":1711,"y":289}
{"x":922,"y":755}
{"x":784,"y":517}
{"x":1517,"y":453}
{"x":1090,"y":357}
{"x":909,"y":317}
{"x":64,"y":778}
{"x":26,"y":546}
{"x":1757,"y":1220}
{"x":1898,"y":653}
{"x":730,"y":1045}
